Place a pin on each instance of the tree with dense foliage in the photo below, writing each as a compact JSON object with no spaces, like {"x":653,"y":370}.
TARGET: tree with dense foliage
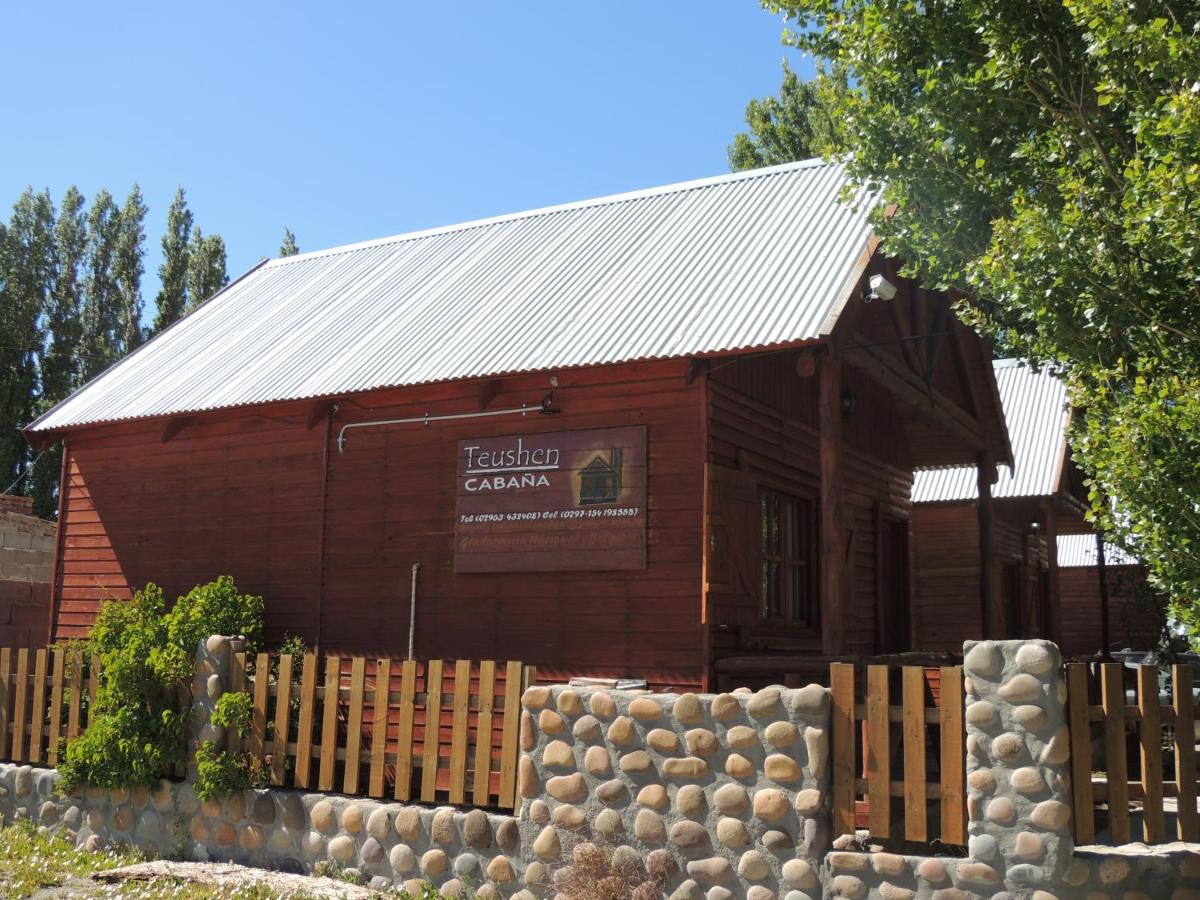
{"x":128,"y":270}
{"x":99,"y":345}
{"x":794,"y":125}
{"x":172,"y":274}
{"x":1044,"y":159}
{"x":288,"y":246}
{"x":206,"y":267}
{"x":26,"y":269}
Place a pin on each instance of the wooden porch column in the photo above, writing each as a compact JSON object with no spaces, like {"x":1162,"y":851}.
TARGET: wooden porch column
{"x":1053,"y":595}
{"x":833,"y":533}
{"x":986,"y":475}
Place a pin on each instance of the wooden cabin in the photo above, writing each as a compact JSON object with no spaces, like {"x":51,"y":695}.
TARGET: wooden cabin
{"x":667,"y":435}
{"x":1127,"y":615}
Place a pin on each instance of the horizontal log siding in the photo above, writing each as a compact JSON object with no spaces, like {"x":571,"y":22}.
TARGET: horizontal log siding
{"x":240,"y":493}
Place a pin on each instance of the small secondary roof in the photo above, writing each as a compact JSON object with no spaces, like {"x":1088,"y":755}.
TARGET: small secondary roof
{"x":750,"y":260}
{"x":1076,"y":551}
{"x":1036,"y":410}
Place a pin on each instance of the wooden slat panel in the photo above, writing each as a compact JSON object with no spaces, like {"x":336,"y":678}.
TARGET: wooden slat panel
{"x":283,"y":706}
{"x":93,"y":682}
{"x":433,"y":718}
{"x":878,"y":751}
{"x":914,"y":753}
{"x":513,"y":680}
{"x":1113,"y":693}
{"x":379,"y":726}
{"x":75,"y":695}
{"x":1150,"y":735}
{"x":20,"y":711}
{"x":953,"y":758}
{"x":56,"y":697}
{"x":458,"y":736}
{"x":1081,"y":753}
{"x":329,"y":711}
{"x":6,"y":692}
{"x":358,"y":676}
{"x":404,"y":750}
{"x":262,"y":693}
{"x":483,"y":734}
{"x":1185,"y":752}
{"x":308,"y":702}
{"x":841,"y":680}
{"x":237,"y":683}
{"x":37,"y":729}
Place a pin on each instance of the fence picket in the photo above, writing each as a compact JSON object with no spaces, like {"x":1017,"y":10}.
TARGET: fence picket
{"x":1185,"y":752}
{"x":1150,"y":733}
{"x":841,"y":677}
{"x":510,"y":727}
{"x":1081,"y":753}
{"x":308,"y":700}
{"x":483,"y":734}
{"x":283,"y":709}
{"x":37,"y":717}
{"x":6,"y":687}
{"x":404,"y":749}
{"x":262,"y":689}
{"x":56,"y":696}
{"x":432,"y":736}
{"x":379,"y":725}
{"x":358,"y":675}
{"x":20,"y":713}
{"x":954,"y":760}
{"x":237,"y":683}
{"x":93,"y":683}
{"x":878,"y":752}
{"x":74,"y":693}
{"x":458,"y":736}
{"x":1113,"y":693}
{"x":329,"y":716}
{"x":914,"y":753}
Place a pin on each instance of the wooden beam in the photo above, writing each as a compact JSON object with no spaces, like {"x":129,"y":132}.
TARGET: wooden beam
{"x":832,"y":534}
{"x":175,"y":425}
{"x":911,"y":388}
{"x":985,"y":476}
{"x":488,"y":391}
{"x":319,"y":411}
{"x":1053,"y":606}
{"x":693,"y":370}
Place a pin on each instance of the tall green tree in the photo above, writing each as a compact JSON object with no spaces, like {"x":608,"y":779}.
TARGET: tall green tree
{"x":60,"y":361}
{"x":1044,"y":158}
{"x":172,"y":274}
{"x":128,"y":269}
{"x":793,"y":126}
{"x":100,"y":344}
{"x":288,"y":246}
{"x":206,"y":267}
{"x":27,"y":258}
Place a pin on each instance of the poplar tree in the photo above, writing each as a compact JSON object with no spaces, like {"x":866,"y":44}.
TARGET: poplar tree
{"x":128,"y":269}
{"x":100,"y":345}
{"x":60,"y":363}
{"x":173,"y":273}
{"x":288,"y":246}
{"x":206,"y":267}
{"x":795,"y":125}
{"x":27,"y":260}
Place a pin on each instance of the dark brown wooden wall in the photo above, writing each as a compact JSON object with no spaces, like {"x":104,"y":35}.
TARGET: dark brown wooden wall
{"x":240,"y":493}
{"x":763,"y":423}
{"x":1080,"y":591}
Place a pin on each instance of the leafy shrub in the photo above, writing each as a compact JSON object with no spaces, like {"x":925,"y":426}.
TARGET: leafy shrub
{"x":234,"y":711}
{"x":138,"y":724}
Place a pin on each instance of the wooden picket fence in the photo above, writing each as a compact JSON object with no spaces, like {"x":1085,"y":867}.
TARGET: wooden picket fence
{"x":932,"y":784}
{"x":411,"y":730}
{"x":44,"y":695}
{"x":1117,"y":722}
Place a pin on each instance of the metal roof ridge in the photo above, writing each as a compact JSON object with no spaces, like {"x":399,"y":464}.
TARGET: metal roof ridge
{"x":588,"y":203}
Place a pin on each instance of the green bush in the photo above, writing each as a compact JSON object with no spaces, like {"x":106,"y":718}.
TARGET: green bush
{"x":138,"y":724}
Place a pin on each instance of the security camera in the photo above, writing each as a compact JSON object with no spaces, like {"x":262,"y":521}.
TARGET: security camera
{"x":881,"y":288}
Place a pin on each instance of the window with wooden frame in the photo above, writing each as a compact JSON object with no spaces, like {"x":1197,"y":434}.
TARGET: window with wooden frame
{"x":787,"y":555}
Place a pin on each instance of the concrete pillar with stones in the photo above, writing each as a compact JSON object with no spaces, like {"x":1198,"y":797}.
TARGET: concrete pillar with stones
{"x":1017,"y":752}
{"x":214,"y":657}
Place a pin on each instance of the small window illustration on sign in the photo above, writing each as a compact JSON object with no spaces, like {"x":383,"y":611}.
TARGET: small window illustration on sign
{"x":600,"y":480}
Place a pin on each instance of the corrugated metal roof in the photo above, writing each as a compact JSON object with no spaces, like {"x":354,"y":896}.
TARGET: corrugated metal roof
{"x":1077,"y":551}
{"x":740,"y":261}
{"x":1036,"y":410}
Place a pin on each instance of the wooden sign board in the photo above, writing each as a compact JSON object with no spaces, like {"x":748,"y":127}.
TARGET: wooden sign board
{"x":555,"y":501}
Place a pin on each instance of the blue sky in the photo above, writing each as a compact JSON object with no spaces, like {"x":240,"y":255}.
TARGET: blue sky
{"x":352,"y":121}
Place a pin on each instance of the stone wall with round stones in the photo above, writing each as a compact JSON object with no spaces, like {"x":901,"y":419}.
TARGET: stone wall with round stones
{"x":725,"y":796}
